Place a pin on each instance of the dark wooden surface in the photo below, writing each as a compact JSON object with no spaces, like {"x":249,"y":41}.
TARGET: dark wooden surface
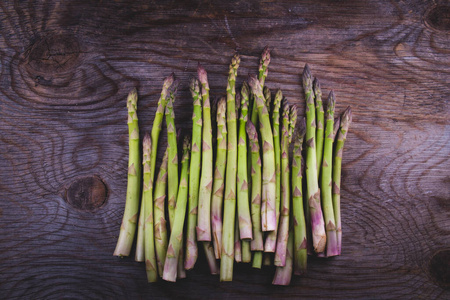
{"x":66,"y":67}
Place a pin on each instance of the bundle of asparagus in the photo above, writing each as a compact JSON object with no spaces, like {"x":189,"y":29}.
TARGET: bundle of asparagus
{"x":248,"y":202}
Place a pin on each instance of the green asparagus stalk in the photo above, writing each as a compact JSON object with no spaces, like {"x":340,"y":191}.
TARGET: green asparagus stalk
{"x":257,"y":259}
{"x":298,"y":214}
{"x":346,"y":120}
{"x":264,"y":65}
{"x":243,"y":205}
{"x":246,"y":251}
{"x":128,"y":226}
{"x":263,"y":71}
{"x":293,"y":114}
{"x":156,"y":129}
{"x":161,"y":238}
{"x":326,"y":180}
{"x":210,"y":257}
{"x":283,"y":274}
{"x":268,"y":98}
{"x":283,"y":227}
{"x":237,"y":243}
{"x":147,"y":199}
{"x":257,"y":242}
{"x":206,"y":179}
{"x":227,"y":255}
{"x":271,"y":239}
{"x":313,"y":192}
{"x":172,"y":167}
{"x":243,"y":193}
{"x":176,"y":236}
{"x":268,"y":206}
{"x":194,"y":176}
{"x":320,"y":125}
{"x":219,"y":177}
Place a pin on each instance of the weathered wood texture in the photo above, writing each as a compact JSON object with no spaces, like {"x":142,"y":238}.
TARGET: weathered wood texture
{"x":66,"y":67}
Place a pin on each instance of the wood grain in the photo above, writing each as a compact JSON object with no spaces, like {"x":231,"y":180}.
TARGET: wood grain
{"x":67,"y":66}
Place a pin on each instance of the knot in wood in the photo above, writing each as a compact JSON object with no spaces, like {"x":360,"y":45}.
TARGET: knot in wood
{"x":438,"y":17}
{"x":53,"y":54}
{"x":439,"y":268}
{"x":86,"y":193}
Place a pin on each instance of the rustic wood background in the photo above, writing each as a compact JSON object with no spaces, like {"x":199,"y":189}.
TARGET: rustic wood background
{"x":67,"y":66}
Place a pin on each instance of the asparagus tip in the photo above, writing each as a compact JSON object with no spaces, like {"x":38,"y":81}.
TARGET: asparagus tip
{"x":301,"y":127}
{"x":331,"y":102}
{"x":132,"y":96}
{"x":147,"y":141}
{"x":245,"y":90}
{"x":202,"y":75}
{"x":348,"y":114}
{"x":337,"y":123}
{"x":235,"y":61}
{"x":307,"y":78}
{"x":169,"y":79}
{"x":253,"y":81}
{"x":265,"y":56}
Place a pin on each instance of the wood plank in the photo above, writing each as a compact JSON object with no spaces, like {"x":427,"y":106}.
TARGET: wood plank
{"x":66,"y":68}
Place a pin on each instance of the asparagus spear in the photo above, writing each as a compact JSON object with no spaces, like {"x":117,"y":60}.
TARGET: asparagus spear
{"x":327,"y":201}
{"x":219,"y":176}
{"x":268,"y":98}
{"x":292,"y":121}
{"x":206,"y":179}
{"x":176,"y":236}
{"x":271,"y":239}
{"x":313,"y":192}
{"x":346,"y":120}
{"x":300,"y":238}
{"x":283,"y":274}
{"x":257,"y":242}
{"x":130,"y":215}
{"x":262,"y":74}
{"x":237,"y":243}
{"x":245,"y":221}
{"x":268,"y":211}
{"x":156,"y":129}
{"x":194,"y":176}
{"x":263,"y":71}
{"x":246,"y":252}
{"x":257,"y":259}
{"x":227,"y":255}
{"x":147,"y":199}
{"x":320,"y":125}
{"x":210,"y":257}
{"x":161,"y":238}
{"x":283,"y":227}
{"x":264,"y":65}
{"x":172,"y":167}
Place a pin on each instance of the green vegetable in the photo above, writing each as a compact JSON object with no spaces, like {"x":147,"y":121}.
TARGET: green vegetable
{"x":194,"y":176}
{"x":346,"y":120}
{"x":147,"y":199}
{"x":130,"y":215}
{"x":229,"y":207}
{"x":176,"y":235}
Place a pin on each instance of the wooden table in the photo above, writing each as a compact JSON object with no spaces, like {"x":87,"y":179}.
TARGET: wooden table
{"x":67,"y":66}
